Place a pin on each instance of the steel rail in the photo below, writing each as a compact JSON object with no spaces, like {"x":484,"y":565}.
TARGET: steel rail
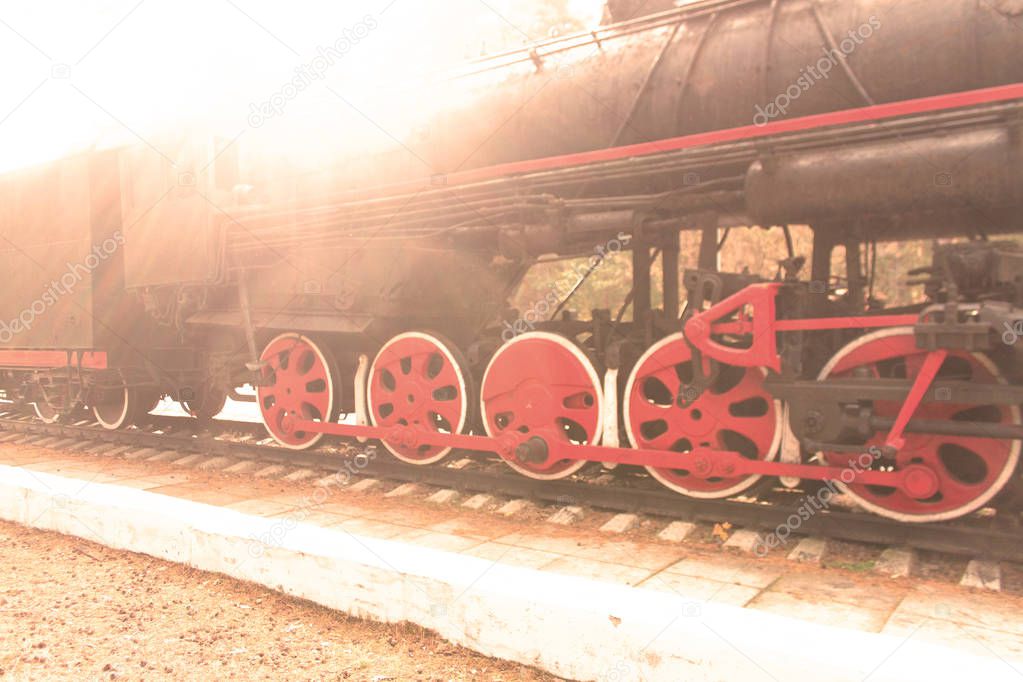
{"x":996,"y":538}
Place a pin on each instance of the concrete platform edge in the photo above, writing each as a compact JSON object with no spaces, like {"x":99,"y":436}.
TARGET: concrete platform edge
{"x":572,"y":627}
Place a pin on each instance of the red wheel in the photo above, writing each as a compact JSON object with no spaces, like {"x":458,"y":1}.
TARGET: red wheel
{"x":543,"y":384}
{"x":736,"y":413}
{"x":969,"y":470}
{"x":419,"y":380}
{"x":299,"y":378}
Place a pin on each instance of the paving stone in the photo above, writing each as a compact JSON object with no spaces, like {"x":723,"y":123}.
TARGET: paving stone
{"x":566,"y":516}
{"x":331,"y":481}
{"x":511,"y":555}
{"x":300,"y":475}
{"x":215,"y":463}
{"x":477,"y":501}
{"x":165,"y":456}
{"x":835,"y":588}
{"x":979,"y":608}
{"x":809,"y":550}
{"x":99,"y":449}
{"x":598,"y":570}
{"x":272,"y":471}
{"x":243,"y":467}
{"x":187,"y":460}
{"x":445,"y":496}
{"x":261,"y":507}
{"x":896,"y":562}
{"x":701,"y":589}
{"x":442,"y":541}
{"x":403,"y":490}
{"x":985,"y":575}
{"x":142,"y":453}
{"x":820,"y":611}
{"x":744,"y":540}
{"x":517,"y":506}
{"x":365,"y":484}
{"x":620,"y":523}
{"x":677,"y":531}
{"x":728,"y":569}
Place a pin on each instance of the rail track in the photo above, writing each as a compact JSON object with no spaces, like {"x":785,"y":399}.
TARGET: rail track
{"x":996,"y":536}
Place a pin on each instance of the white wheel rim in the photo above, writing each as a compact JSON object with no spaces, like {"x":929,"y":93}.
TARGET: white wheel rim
{"x":54,"y":415}
{"x":742,"y":485}
{"x":449,"y":356}
{"x":598,"y":392}
{"x":1003,"y":478}
{"x":121,"y":418}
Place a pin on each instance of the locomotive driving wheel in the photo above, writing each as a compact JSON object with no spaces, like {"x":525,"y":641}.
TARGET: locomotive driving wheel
{"x":420,"y":380}
{"x":542,"y":384}
{"x":299,"y":378}
{"x":968,"y":470}
{"x":734,"y":413}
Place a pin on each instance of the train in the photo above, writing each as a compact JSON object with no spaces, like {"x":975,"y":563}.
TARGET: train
{"x":369,"y":298}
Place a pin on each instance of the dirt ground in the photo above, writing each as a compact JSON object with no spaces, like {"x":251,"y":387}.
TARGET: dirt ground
{"x":70,"y":609}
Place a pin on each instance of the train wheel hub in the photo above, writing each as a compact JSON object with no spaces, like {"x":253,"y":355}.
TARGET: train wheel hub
{"x":920,"y":482}
{"x":419,"y":379}
{"x":734,"y":413}
{"x":944,"y":476}
{"x":542,"y":385}
{"x":298,"y":383}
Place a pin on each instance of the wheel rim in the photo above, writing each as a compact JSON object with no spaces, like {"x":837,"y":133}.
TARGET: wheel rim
{"x":115,"y":410}
{"x":543,"y":384}
{"x":970,"y":470}
{"x":736,"y":413}
{"x":419,"y":380}
{"x":47,"y":414}
{"x":299,"y":381}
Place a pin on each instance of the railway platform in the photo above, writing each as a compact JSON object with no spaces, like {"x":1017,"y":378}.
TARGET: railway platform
{"x":581,"y":605}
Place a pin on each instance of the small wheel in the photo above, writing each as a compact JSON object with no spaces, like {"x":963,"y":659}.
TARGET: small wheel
{"x":207,"y":405}
{"x":969,"y":470}
{"x":543,"y":384}
{"x":735,"y":413}
{"x":299,"y":378}
{"x":45,"y":412}
{"x":419,"y":379}
{"x":116,"y":409}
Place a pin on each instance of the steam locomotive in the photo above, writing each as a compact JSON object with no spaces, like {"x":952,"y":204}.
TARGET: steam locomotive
{"x":378,"y":286}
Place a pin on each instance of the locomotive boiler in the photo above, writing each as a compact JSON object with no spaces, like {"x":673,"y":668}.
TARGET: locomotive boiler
{"x":375,"y":285}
